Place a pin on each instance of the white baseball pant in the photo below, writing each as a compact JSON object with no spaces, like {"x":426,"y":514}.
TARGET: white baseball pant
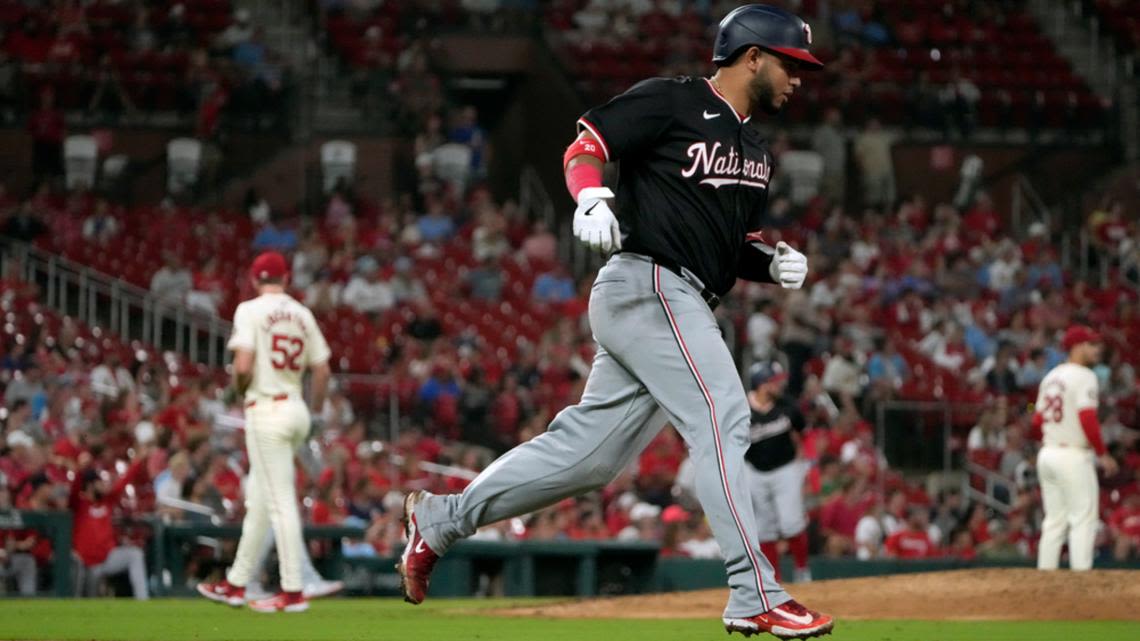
{"x":778,"y":500}
{"x":273,"y":430}
{"x":1070,"y":493}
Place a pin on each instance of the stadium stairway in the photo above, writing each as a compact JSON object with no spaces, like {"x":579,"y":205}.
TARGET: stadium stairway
{"x":1108,"y":70}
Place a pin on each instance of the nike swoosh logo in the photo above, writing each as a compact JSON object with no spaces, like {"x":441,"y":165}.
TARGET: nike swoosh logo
{"x":420,"y":547}
{"x":591,"y":209}
{"x":709,"y":116}
{"x":802,"y":619}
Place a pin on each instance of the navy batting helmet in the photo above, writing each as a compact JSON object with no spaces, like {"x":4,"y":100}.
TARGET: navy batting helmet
{"x":766,"y":372}
{"x":770,"y":28}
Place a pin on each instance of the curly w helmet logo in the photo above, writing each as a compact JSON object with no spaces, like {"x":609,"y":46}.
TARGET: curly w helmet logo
{"x":807,"y":33}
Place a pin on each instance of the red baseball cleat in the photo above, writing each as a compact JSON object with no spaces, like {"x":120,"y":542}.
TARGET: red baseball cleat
{"x":787,"y":621}
{"x":418,"y":559}
{"x":281,"y":602}
{"x":223,"y":592}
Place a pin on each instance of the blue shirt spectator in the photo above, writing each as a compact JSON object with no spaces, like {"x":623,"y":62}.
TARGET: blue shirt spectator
{"x":553,"y":287}
{"x":1046,"y":272}
{"x":887,"y":364}
{"x":270,"y":237}
{"x":436,"y":227}
{"x":249,"y":55}
{"x":435,"y":387}
{"x":980,"y":344}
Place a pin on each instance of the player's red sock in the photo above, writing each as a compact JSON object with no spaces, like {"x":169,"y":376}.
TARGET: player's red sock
{"x":772,"y":552}
{"x":798,"y":546}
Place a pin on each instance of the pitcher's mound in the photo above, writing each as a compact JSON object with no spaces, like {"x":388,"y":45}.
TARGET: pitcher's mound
{"x":962,"y":594}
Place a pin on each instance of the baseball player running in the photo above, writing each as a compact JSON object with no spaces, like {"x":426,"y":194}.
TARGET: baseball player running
{"x":275,"y":340}
{"x":693,"y":186}
{"x":775,"y":471}
{"x":1067,"y":421}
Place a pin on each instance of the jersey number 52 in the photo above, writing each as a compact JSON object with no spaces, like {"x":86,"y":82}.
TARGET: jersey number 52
{"x":286,"y":351}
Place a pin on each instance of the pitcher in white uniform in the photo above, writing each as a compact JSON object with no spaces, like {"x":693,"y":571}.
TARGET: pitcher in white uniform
{"x":275,"y":340}
{"x":1066,"y":418}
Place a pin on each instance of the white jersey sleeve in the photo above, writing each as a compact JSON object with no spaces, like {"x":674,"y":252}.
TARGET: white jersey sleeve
{"x":317,"y":348}
{"x":245,"y":329}
{"x":1086,"y":390}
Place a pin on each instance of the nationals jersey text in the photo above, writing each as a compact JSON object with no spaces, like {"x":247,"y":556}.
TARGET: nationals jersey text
{"x":693,"y":175}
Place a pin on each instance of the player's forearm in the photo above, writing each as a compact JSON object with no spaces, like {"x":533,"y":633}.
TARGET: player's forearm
{"x":243,"y":370}
{"x":242,"y":381}
{"x":755,"y":264}
{"x":320,"y":386}
{"x":583,"y":163}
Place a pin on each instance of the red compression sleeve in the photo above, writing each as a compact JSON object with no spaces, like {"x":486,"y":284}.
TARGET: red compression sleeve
{"x":1091,"y":425}
{"x":1035,"y":432}
{"x":582,"y":175}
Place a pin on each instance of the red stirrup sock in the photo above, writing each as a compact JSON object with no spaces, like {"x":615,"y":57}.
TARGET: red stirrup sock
{"x":771,"y":550}
{"x":798,"y":546}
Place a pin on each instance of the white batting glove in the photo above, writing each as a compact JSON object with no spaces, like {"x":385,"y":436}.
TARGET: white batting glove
{"x":594,"y":221}
{"x":789,"y":267}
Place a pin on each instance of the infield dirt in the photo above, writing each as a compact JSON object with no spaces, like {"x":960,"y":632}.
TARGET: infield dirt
{"x":992,"y":594}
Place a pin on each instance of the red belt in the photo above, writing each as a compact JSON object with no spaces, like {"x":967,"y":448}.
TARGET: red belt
{"x":279,"y":397}
{"x":1075,"y":447}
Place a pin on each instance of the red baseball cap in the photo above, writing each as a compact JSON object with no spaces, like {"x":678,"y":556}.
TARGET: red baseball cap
{"x":268,"y":265}
{"x":1078,"y":334}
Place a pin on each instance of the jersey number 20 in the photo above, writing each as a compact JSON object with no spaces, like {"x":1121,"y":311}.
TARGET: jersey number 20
{"x":286,"y":351}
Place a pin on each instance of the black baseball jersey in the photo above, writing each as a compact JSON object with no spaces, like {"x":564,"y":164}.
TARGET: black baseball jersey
{"x":771,"y":435}
{"x":693,"y":177}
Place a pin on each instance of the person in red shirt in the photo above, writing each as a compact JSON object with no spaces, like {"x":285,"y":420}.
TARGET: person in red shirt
{"x":47,"y":129}
{"x":913,"y":541}
{"x":839,"y":516}
{"x":1125,"y":526}
{"x":93,"y":501}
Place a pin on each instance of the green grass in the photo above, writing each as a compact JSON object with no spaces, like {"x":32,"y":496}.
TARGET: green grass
{"x":453,"y":620}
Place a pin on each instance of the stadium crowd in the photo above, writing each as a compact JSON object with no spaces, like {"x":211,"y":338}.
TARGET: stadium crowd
{"x":479,"y":333}
{"x":945,"y":65}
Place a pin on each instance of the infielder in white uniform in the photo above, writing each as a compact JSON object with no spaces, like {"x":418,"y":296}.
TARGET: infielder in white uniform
{"x":275,"y":340}
{"x":1067,"y":420}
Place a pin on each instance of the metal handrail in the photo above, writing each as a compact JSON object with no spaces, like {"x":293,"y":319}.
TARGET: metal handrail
{"x":993,"y":480}
{"x":76,"y":290}
{"x":1026,"y":201}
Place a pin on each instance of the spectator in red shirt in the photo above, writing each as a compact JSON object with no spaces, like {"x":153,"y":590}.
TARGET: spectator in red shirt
{"x":1125,"y":526}
{"x":47,"y":130}
{"x":839,"y":516}
{"x":912,"y":542}
{"x":658,"y":464}
{"x":93,"y":500}
{"x":962,"y":545}
{"x":982,"y":221}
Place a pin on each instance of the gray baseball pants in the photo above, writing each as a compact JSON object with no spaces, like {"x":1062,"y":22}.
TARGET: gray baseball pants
{"x":659,"y":346}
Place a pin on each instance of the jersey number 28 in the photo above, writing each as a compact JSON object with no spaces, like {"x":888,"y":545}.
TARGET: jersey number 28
{"x":286,"y":351}
{"x":1055,"y":405}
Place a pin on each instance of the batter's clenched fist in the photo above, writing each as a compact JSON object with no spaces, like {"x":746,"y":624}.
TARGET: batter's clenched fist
{"x":594,"y":222}
{"x":789,"y":267}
